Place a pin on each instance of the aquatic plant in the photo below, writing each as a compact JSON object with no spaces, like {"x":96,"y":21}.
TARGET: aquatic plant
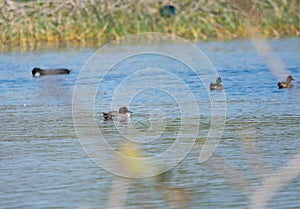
{"x":30,"y":24}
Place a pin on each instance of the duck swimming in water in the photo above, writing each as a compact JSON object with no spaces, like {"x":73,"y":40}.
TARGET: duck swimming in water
{"x":286,"y":84}
{"x":217,"y":85}
{"x":37,"y":72}
{"x":122,"y":115}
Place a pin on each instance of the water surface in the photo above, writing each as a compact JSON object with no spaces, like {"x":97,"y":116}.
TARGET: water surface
{"x":43,"y":165}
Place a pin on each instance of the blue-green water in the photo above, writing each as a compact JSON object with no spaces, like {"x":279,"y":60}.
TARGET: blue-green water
{"x":44,"y":166}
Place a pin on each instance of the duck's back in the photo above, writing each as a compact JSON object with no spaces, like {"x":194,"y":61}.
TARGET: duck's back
{"x":214,"y":86}
{"x":109,"y":115}
{"x":56,"y":71}
{"x":284,"y":85}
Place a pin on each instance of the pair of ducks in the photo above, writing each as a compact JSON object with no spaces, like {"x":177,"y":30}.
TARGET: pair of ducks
{"x":123,"y":113}
{"x":283,"y":84}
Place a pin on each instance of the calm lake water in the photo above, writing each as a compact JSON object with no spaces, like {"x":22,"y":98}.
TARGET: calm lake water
{"x":43,"y":164}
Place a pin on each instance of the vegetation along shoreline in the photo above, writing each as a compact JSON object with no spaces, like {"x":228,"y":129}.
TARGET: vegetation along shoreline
{"x":28,"y":24}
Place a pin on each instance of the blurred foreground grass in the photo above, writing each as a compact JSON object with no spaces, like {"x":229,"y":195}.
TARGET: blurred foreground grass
{"x":28,"y":24}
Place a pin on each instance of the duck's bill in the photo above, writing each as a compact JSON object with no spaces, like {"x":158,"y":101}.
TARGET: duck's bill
{"x":130,"y":111}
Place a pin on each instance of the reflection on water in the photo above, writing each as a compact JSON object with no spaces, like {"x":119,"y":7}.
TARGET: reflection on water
{"x":43,"y":165}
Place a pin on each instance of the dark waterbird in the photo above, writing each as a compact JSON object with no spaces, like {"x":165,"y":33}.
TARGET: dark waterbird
{"x":216,"y":86}
{"x":122,"y":115}
{"x":37,"y":72}
{"x":167,"y":10}
{"x":286,"y":84}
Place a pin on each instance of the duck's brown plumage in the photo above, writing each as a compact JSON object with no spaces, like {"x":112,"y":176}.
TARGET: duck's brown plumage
{"x":286,"y":84}
{"x":123,"y":113}
{"x":216,"y":86}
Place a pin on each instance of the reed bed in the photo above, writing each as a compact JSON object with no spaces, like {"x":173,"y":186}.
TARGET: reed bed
{"x":30,"y":24}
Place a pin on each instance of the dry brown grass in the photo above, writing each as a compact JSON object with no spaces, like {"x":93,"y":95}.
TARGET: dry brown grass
{"x":94,"y":22}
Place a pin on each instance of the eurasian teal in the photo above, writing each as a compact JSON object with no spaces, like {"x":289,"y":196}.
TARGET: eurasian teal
{"x":37,"y":72}
{"x":122,"y":115}
{"x":217,"y":85}
{"x":286,"y":84}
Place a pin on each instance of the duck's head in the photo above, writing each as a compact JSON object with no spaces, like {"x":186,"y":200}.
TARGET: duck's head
{"x":36,"y":72}
{"x":124,"y":110}
{"x":218,"y":80}
{"x":290,"y":78}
